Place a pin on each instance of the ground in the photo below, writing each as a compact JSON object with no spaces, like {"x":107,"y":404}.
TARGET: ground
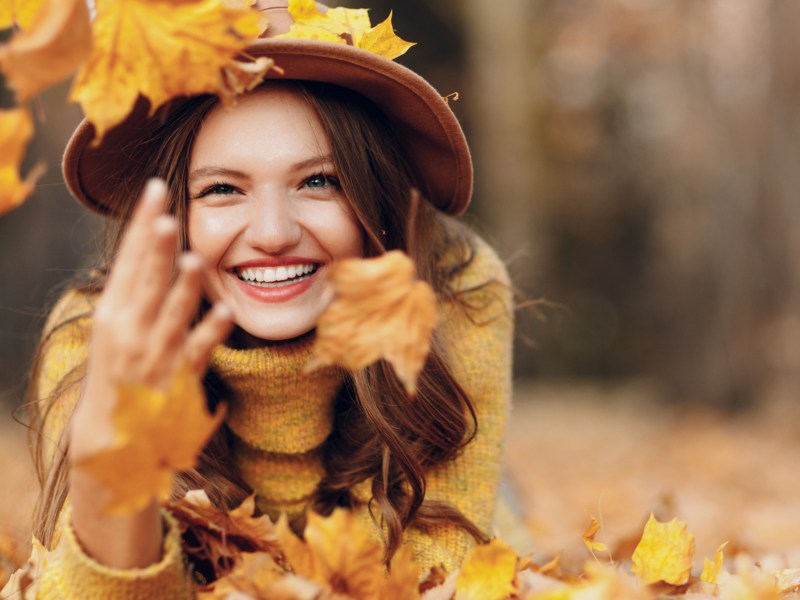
{"x":609,"y":451}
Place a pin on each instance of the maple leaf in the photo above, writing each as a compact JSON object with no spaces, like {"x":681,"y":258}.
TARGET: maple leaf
{"x":159,"y":49}
{"x":337,"y":553}
{"x":664,"y":553}
{"x":403,"y":578}
{"x":711,"y":570}
{"x":345,"y":26}
{"x":589,"y":535}
{"x":379,"y":311}
{"x":157,"y":433}
{"x":54,"y":46}
{"x":216,"y":536}
{"x":488,"y":573}
{"x":19,"y":13}
{"x":16,"y":129}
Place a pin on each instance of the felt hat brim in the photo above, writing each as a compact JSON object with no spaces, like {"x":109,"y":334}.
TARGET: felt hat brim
{"x":428,"y":131}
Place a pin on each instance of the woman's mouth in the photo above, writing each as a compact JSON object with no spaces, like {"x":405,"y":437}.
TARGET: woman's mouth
{"x":272,"y":277}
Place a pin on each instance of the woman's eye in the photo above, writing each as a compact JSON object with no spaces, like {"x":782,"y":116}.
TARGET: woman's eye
{"x":217,"y":188}
{"x":321,"y":181}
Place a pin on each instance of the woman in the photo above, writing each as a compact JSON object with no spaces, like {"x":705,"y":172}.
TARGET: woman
{"x":316,"y":165}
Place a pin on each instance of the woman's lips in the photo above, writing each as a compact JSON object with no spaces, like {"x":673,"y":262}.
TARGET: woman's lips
{"x":276,"y":283}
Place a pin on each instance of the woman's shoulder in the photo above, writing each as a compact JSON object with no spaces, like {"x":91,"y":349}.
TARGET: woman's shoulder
{"x":74,"y":306}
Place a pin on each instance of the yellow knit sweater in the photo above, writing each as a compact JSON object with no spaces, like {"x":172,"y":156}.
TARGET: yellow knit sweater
{"x":281,"y":416}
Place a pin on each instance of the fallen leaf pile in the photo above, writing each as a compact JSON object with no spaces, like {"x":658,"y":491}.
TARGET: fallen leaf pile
{"x":380,"y":310}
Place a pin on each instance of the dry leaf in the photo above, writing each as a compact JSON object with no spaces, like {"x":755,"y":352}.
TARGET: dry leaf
{"x":664,"y":553}
{"x":711,"y":570}
{"x":20,"y":13}
{"x":488,"y":573}
{"x":16,"y":129}
{"x":53,"y":48}
{"x":239,"y":77}
{"x":382,"y":40}
{"x":214,"y":538}
{"x":379,"y":311}
{"x":252,"y":578}
{"x":403,"y":579}
{"x":345,"y":26}
{"x":157,"y":433}
{"x":590,"y":533}
{"x":160,"y":50}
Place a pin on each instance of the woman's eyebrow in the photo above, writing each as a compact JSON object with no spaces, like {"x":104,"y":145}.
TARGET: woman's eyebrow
{"x":315,"y":161}
{"x":216,"y":172}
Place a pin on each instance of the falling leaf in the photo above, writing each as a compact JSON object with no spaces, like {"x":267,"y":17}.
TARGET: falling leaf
{"x":379,"y":311}
{"x":157,"y":433}
{"x":161,"y":50}
{"x":345,"y":26}
{"x":590,"y":533}
{"x":53,"y":48}
{"x":664,"y":553}
{"x":711,"y":570}
{"x":19,"y":12}
{"x":382,"y":40}
{"x":488,"y":573}
{"x":16,"y":129}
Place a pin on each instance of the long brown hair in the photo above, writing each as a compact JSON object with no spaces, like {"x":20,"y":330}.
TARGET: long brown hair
{"x":386,"y":439}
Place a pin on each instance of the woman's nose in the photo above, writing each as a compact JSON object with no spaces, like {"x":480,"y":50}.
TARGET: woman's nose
{"x":273,"y":225}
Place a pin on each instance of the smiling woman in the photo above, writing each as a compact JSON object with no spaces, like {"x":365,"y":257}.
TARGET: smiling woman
{"x":316,"y":165}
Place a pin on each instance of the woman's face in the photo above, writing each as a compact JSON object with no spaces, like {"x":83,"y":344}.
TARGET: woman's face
{"x":266,"y":213}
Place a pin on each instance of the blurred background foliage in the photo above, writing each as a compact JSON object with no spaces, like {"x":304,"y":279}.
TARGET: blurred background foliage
{"x":635,"y":165}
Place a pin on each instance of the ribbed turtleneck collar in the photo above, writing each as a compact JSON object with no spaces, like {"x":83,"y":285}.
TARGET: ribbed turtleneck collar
{"x":276,"y":406}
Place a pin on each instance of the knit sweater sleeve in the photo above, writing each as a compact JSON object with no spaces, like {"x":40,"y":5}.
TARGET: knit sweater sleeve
{"x":478,"y":344}
{"x":66,"y":571}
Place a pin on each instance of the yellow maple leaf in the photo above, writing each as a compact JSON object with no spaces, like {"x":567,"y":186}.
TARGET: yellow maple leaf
{"x":711,"y":570}
{"x":157,"y":433}
{"x":159,"y":49}
{"x":589,"y":535}
{"x":379,"y":311}
{"x":20,"y":13}
{"x":488,"y":573}
{"x":345,"y":26}
{"x":382,"y":40}
{"x":664,"y":553}
{"x":54,"y":46}
{"x":16,"y":129}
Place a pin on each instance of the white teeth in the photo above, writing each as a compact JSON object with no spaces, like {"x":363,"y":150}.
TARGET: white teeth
{"x":269,"y":275}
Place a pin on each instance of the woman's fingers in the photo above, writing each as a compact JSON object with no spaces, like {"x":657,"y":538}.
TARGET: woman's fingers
{"x":138,"y":238}
{"x":210,"y":332}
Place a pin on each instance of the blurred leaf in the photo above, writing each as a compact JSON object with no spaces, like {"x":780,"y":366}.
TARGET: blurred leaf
{"x":488,"y":573}
{"x":16,"y":129}
{"x":19,"y":12}
{"x":589,"y":535}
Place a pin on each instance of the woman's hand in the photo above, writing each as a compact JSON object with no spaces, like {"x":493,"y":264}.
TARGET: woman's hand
{"x":142,"y":334}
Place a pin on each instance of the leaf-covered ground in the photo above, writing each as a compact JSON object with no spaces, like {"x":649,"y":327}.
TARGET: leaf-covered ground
{"x":611,"y":452}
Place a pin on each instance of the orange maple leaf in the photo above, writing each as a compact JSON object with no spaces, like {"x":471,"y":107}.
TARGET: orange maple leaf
{"x":488,"y":573}
{"x":16,"y":129}
{"x":157,"y":433}
{"x":664,"y":553}
{"x":337,"y":553}
{"x":19,"y":13}
{"x":380,"y":311}
{"x":345,"y":26}
{"x":159,"y":50}
{"x":51,"y":49}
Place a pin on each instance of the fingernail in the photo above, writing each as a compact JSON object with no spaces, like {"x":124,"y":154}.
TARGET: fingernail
{"x":190,"y":261}
{"x":155,"y":189}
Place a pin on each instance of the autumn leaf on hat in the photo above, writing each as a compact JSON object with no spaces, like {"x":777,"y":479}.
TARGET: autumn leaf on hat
{"x":16,"y":129}
{"x":160,"y":50}
{"x":54,"y":45}
{"x":380,"y":310}
{"x":157,"y":433}
{"x":345,"y":26}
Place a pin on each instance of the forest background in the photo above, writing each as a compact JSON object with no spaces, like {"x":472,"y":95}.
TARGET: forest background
{"x":637,"y":166}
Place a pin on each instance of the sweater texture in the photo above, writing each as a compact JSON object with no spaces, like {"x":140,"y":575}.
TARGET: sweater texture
{"x":280,"y":416}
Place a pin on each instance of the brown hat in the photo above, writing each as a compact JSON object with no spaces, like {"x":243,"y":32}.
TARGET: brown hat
{"x":427,"y":129}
